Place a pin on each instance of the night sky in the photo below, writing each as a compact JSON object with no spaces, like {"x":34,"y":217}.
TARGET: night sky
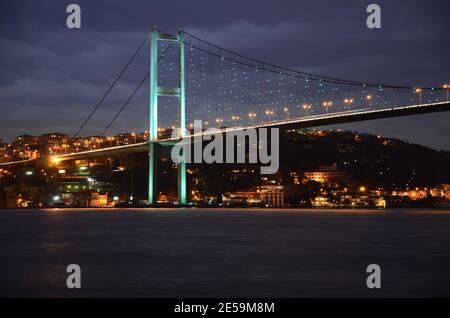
{"x":51,"y":76}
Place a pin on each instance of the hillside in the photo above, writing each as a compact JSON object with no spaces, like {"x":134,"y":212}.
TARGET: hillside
{"x":370,"y":159}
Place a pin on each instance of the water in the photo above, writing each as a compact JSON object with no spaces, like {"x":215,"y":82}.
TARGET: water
{"x":224,"y":253}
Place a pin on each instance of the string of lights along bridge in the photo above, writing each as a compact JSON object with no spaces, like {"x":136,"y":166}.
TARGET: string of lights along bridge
{"x":227,"y":89}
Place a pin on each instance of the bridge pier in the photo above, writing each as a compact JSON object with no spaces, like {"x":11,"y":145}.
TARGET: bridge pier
{"x":155,"y":91}
{"x":152,"y":173}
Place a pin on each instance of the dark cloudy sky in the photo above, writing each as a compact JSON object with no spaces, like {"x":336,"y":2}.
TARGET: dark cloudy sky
{"x":51,"y":77}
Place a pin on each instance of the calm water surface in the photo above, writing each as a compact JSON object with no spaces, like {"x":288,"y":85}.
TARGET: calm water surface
{"x":224,"y":253}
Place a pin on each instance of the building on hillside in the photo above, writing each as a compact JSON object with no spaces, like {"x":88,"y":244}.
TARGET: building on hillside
{"x":326,"y":175}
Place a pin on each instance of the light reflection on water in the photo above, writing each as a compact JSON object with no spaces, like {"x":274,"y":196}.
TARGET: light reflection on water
{"x":224,"y":252}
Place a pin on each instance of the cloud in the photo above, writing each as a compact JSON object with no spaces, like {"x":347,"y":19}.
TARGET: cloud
{"x":50,"y":74}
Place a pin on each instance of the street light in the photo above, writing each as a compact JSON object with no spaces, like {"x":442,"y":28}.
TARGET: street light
{"x":327,"y":105}
{"x":306,"y":107}
{"x":286,"y":110}
{"x":55,"y":160}
{"x":348,"y":101}
{"x":269,"y":113}
{"x":419,"y":91}
{"x":219,"y":121}
{"x":252,"y":116}
{"x":235,"y":118}
{"x":447,"y":88}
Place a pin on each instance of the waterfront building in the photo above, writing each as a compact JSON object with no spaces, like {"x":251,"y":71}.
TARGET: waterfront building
{"x":98,"y":200}
{"x":272,"y":195}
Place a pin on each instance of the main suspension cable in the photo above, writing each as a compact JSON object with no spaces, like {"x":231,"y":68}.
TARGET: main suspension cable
{"x":288,"y":71}
{"x":111,"y":87}
{"x":133,"y":93}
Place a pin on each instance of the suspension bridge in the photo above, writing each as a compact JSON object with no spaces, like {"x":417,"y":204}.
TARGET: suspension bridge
{"x":193,"y":79}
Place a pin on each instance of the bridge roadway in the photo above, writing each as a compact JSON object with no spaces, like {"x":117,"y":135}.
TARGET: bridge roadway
{"x":302,"y":122}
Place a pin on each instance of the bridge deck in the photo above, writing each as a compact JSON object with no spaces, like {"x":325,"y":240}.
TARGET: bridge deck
{"x":303,"y":122}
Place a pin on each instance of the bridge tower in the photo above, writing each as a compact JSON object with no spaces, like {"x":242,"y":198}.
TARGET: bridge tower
{"x":180,"y":93}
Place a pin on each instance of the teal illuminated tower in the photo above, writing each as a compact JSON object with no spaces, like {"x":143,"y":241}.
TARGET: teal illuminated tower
{"x":155,"y":91}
